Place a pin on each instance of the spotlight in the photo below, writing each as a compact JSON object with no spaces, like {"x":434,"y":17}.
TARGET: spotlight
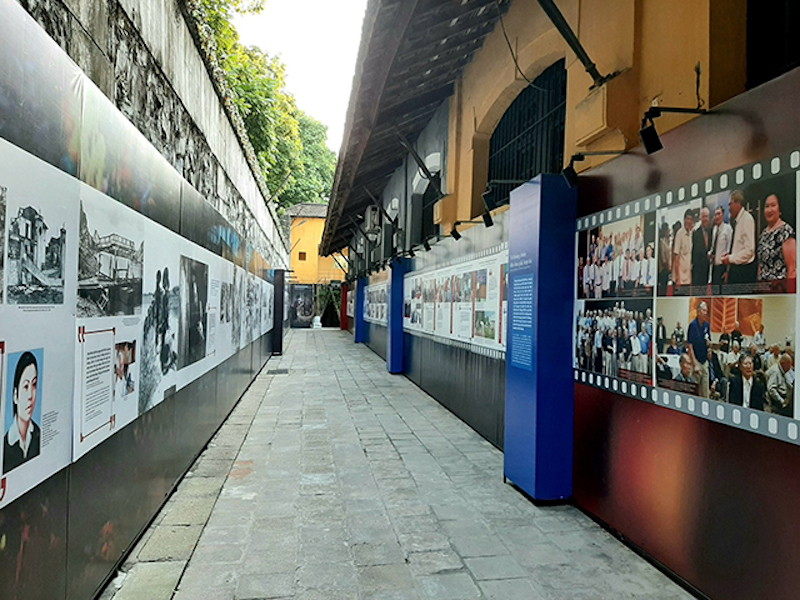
{"x":411,"y":252}
{"x":487,"y":219}
{"x":569,"y":174}
{"x":454,"y":232}
{"x":649,"y":136}
{"x":648,"y":133}
{"x":426,"y":245}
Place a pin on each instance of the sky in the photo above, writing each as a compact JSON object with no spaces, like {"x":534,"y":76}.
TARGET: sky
{"x":318,"y":42}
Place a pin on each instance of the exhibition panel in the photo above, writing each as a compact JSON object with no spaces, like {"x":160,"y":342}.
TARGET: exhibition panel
{"x":133,"y":315}
{"x":686,"y":429}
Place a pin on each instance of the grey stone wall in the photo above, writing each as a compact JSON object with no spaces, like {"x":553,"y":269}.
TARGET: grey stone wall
{"x":142,"y":55}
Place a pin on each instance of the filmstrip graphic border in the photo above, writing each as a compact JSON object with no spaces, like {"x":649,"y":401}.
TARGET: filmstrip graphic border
{"x":783,"y":164}
{"x":774,"y":426}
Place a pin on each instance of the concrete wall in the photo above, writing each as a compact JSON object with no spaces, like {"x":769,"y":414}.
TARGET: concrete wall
{"x":143,"y":56}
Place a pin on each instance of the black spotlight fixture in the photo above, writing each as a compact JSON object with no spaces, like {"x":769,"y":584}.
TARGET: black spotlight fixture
{"x":571,"y":176}
{"x":487,"y":219}
{"x":426,"y":244}
{"x":649,"y":134}
{"x":411,"y":252}
{"x":454,"y":231}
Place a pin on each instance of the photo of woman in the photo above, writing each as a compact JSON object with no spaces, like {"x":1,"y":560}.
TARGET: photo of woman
{"x":22,"y":440}
{"x":777,"y":248}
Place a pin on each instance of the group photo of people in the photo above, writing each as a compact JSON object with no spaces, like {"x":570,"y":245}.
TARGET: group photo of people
{"x":618,"y":259}
{"x":615,"y":338}
{"x":734,"y":350}
{"x":741,"y":241}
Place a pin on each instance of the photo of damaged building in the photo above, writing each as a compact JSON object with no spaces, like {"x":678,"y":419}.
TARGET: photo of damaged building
{"x":35,"y":260}
{"x":109,"y":273}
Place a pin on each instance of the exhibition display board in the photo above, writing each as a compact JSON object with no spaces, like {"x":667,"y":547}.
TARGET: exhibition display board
{"x":687,"y":298}
{"x":463,"y":302}
{"x":133,"y":314}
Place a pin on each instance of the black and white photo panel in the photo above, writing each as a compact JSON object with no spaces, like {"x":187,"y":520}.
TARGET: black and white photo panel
{"x":161,"y":306}
{"x":36,"y":318}
{"x":193,"y":316}
{"x":110,"y":257}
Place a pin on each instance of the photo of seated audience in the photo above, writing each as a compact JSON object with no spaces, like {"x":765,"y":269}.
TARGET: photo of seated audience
{"x":615,"y":338}
{"x":734,"y":350}
{"x":740,"y":241}
{"x":618,"y":259}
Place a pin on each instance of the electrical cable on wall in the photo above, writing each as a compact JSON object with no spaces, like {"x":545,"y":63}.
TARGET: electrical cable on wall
{"x":511,"y":49}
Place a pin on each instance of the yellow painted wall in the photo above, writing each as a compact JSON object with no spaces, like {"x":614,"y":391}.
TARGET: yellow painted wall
{"x":654,"y":44}
{"x":306,"y":236}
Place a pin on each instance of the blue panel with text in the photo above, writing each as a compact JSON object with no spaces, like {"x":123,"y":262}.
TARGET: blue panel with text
{"x":539,"y":387}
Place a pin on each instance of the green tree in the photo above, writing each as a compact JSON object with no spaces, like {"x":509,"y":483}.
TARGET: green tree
{"x":319,"y":164}
{"x":289,"y":144}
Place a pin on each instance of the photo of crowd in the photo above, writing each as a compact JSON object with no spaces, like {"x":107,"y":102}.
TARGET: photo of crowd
{"x":734,"y":350}
{"x":735,"y":242}
{"x":618,"y":259}
{"x":615,"y":338}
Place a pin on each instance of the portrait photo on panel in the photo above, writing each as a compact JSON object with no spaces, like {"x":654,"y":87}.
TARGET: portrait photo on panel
{"x":615,"y":338}
{"x":193,"y":316}
{"x":617,"y":259}
{"x":23,"y":409}
{"x":738,"y":350}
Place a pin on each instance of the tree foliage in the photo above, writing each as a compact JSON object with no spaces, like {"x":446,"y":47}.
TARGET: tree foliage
{"x":290,"y":145}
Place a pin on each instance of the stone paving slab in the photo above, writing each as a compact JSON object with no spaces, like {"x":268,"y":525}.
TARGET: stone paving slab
{"x":339,"y":481}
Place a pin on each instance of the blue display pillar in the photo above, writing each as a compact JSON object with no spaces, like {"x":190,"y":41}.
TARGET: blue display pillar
{"x":539,"y":388}
{"x":394,"y":339}
{"x":360,"y":324}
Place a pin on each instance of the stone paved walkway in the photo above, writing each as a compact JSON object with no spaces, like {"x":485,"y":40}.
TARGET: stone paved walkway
{"x":340,"y":481}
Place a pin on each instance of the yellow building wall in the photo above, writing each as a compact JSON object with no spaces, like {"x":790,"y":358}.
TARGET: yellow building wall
{"x":655,"y":45}
{"x":306,"y":236}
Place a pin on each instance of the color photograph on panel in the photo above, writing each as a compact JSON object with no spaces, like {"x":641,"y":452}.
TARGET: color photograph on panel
{"x":717,"y":344}
{"x":614,"y":338}
{"x":739,"y":241}
{"x":617,"y":259}
{"x":467,"y":302}
{"x":722,"y":325}
{"x":23,"y":408}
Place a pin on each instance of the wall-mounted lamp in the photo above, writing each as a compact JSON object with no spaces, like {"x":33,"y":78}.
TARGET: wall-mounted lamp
{"x":426,"y":244}
{"x":454,"y":231}
{"x":649,"y":134}
{"x":571,"y":176}
{"x":487,"y":219}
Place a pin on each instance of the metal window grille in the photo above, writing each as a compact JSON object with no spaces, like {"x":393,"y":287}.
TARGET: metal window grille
{"x":529,"y":139}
